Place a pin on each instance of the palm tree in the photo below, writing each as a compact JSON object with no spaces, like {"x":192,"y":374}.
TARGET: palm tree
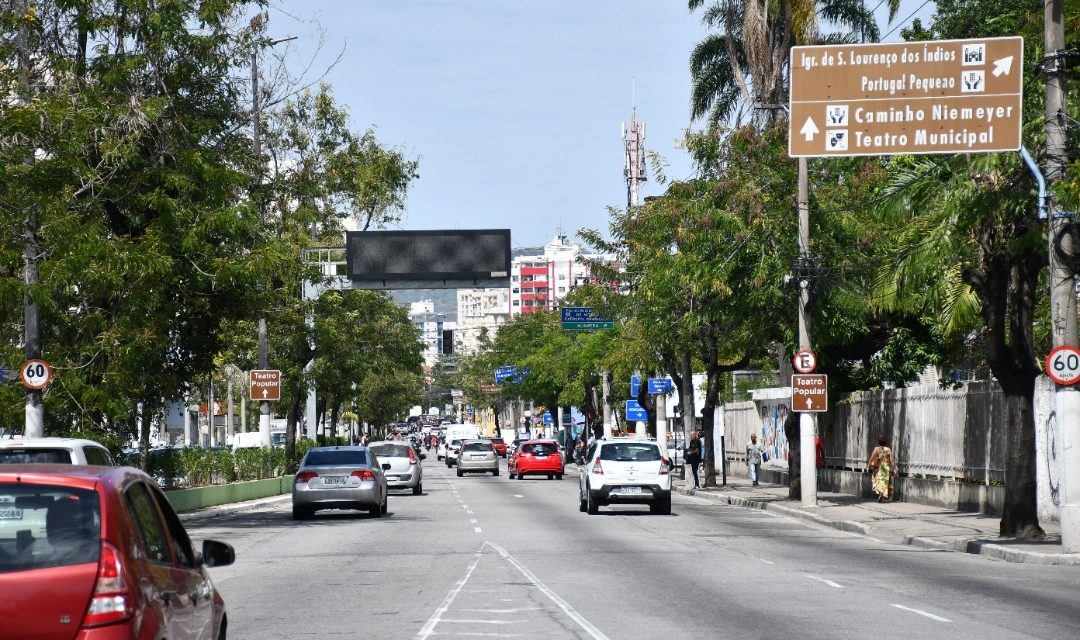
{"x":745,"y":62}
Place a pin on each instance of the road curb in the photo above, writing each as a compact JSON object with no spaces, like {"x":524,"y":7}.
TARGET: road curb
{"x":964,"y":545}
{"x":213,"y":512}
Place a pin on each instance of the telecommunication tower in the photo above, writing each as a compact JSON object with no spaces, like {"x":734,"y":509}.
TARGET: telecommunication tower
{"x":634,"y":160}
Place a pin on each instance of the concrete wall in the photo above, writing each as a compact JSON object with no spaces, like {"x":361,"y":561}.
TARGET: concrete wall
{"x":949,"y":443}
{"x":193,"y":499}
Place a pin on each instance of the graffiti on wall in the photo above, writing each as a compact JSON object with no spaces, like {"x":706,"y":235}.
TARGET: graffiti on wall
{"x":772,"y":436}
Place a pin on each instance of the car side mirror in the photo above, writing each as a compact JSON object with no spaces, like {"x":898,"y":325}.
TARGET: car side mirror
{"x":386,"y":466}
{"x":217,"y":554}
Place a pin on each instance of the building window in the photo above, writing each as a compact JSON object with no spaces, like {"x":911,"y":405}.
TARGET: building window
{"x":516,"y":290}
{"x":562,"y":276}
{"x":513,"y":278}
{"x":562,"y":289}
{"x":516,"y":303}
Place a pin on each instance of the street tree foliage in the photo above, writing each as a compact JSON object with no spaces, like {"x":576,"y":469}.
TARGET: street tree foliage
{"x":122,"y":161}
{"x":159,"y":238}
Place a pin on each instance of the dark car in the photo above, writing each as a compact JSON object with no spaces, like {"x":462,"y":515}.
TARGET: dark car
{"x":110,"y":552}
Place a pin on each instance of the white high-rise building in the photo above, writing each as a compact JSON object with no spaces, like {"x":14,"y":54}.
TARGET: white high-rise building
{"x":431,"y":326}
{"x":479,"y":309}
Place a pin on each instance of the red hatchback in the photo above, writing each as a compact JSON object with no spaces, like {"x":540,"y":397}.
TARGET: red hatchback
{"x":90,"y":552}
{"x":500,"y":447}
{"x":536,"y":457}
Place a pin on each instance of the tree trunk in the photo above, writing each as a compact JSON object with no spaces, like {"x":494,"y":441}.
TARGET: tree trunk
{"x":708,"y":419}
{"x":791,"y":430}
{"x":1019,"y":515}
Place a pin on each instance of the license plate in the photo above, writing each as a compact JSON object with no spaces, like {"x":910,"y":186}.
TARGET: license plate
{"x":540,"y":456}
{"x":630,"y":490}
{"x":333,"y":479}
{"x":9,"y":513}
{"x":478,"y":457}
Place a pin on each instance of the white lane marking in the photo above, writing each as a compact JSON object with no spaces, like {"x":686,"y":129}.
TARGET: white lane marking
{"x":477,"y":529}
{"x":514,"y":610}
{"x":554,"y":597}
{"x":472,"y":521}
{"x":429,"y":626}
{"x":762,"y":559}
{"x":465,"y":507}
{"x":484,"y":621}
{"x":469,"y":511}
{"x":518,"y":495}
{"x":832,"y":584}
{"x":922,"y":613}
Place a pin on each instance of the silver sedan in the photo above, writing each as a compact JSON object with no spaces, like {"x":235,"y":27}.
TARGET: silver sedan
{"x":477,"y":455}
{"x":339,"y":478}
{"x":405,"y":471}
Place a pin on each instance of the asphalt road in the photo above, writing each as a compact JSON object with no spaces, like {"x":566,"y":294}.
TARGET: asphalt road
{"x":484,"y":556}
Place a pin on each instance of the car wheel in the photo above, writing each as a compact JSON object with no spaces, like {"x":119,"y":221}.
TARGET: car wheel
{"x":662,"y":506}
{"x":558,"y":476}
{"x":302,"y":513}
{"x":520,"y":475}
{"x":551,"y":476}
{"x":224,"y":628}
{"x":418,"y":489}
{"x":459,"y":473}
{"x":510,"y":474}
{"x":581,"y":506}
{"x":592,"y":506}
{"x":495,"y":472}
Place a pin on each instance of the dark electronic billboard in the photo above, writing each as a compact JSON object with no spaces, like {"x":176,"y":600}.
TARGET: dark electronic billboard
{"x":443,"y":259}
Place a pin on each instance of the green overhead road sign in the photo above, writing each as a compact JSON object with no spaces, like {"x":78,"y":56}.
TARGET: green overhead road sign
{"x":582,"y":319}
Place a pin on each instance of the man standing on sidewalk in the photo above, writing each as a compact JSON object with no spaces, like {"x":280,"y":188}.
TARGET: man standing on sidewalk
{"x":753,"y":457}
{"x":692,"y":456}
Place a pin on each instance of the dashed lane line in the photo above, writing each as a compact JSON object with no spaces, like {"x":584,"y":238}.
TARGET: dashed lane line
{"x":922,"y":613}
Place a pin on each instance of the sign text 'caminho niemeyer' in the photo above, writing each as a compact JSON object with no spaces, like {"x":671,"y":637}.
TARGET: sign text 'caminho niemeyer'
{"x":938,"y":96}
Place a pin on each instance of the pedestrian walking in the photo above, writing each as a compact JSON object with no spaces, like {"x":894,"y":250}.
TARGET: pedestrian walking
{"x":692,"y":456}
{"x":882,"y":468}
{"x":754,"y":453}
{"x":819,"y":455}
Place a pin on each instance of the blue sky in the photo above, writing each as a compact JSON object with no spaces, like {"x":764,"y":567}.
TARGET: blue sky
{"x":513,"y":107}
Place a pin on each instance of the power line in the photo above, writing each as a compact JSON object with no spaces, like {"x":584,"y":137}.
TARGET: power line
{"x":904,"y":21}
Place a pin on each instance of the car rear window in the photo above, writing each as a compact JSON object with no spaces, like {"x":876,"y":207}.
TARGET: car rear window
{"x":27,"y":456}
{"x":478,"y":446}
{"x":543,"y":449}
{"x":391,"y":450}
{"x":97,"y":455}
{"x":333,"y":458}
{"x":47,"y":526}
{"x":629,"y":452}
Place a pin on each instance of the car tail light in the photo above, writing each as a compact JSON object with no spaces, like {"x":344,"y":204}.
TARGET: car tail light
{"x":304,"y":476}
{"x":111,"y":601}
{"x":412,"y":456}
{"x":664,"y":468}
{"x":597,"y":469}
{"x":363,"y":474}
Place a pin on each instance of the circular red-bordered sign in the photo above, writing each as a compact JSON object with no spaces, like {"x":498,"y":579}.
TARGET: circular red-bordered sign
{"x":36,"y":374}
{"x":1063,"y":365}
{"x":804,"y":361}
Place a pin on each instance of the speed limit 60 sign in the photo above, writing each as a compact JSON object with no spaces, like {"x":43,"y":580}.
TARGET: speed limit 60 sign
{"x":1063,"y":365}
{"x":36,"y":374}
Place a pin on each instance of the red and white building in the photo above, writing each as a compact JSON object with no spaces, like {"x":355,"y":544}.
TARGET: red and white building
{"x":540,"y":281}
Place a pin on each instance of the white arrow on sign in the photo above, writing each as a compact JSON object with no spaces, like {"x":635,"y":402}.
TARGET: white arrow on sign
{"x":809,"y":129}
{"x":265,"y":392}
{"x":1003,"y":66}
{"x":809,"y":403}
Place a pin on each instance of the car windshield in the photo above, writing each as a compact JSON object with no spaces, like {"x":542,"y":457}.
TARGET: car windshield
{"x":477,"y":446}
{"x":629,"y":452}
{"x":27,"y":456}
{"x":47,"y":526}
{"x":390,"y":450}
{"x":336,"y":457}
{"x":539,"y":449}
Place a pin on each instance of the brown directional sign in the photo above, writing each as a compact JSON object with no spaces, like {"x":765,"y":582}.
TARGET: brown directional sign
{"x":265,"y":384}
{"x":938,"y":96}
{"x":809,"y":392}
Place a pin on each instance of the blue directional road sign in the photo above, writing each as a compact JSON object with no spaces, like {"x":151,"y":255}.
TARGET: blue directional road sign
{"x":635,"y":412}
{"x":635,"y":386}
{"x":548,"y":419}
{"x":660,"y":385}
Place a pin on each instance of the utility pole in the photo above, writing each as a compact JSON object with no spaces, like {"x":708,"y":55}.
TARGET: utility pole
{"x":256,"y":149}
{"x":1062,"y":280}
{"x":35,"y":410}
{"x":807,"y":471}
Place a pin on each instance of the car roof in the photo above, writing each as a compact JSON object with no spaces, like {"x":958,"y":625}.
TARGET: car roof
{"x":348,"y":447}
{"x":540,"y":441}
{"x":627,"y":440}
{"x":84,"y":476}
{"x":9,"y":443}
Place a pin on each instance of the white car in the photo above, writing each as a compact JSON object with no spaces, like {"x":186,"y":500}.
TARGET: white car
{"x":625,"y":471}
{"x":440,"y":450}
{"x":54,"y":450}
{"x":452,"y":449}
{"x":405,"y":471}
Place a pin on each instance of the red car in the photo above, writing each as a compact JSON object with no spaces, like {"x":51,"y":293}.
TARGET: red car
{"x":536,"y":457}
{"x":89,"y":552}
{"x":500,"y":447}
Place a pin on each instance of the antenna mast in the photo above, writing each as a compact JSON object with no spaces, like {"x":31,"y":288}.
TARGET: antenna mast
{"x":634,"y":157}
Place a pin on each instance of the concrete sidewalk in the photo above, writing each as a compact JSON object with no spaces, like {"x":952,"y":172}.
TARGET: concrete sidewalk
{"x":894,"y":522}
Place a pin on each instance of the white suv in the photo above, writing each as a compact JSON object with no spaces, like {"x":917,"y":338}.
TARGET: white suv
{"x":54,"y":450}
{"x":625,"y":470}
